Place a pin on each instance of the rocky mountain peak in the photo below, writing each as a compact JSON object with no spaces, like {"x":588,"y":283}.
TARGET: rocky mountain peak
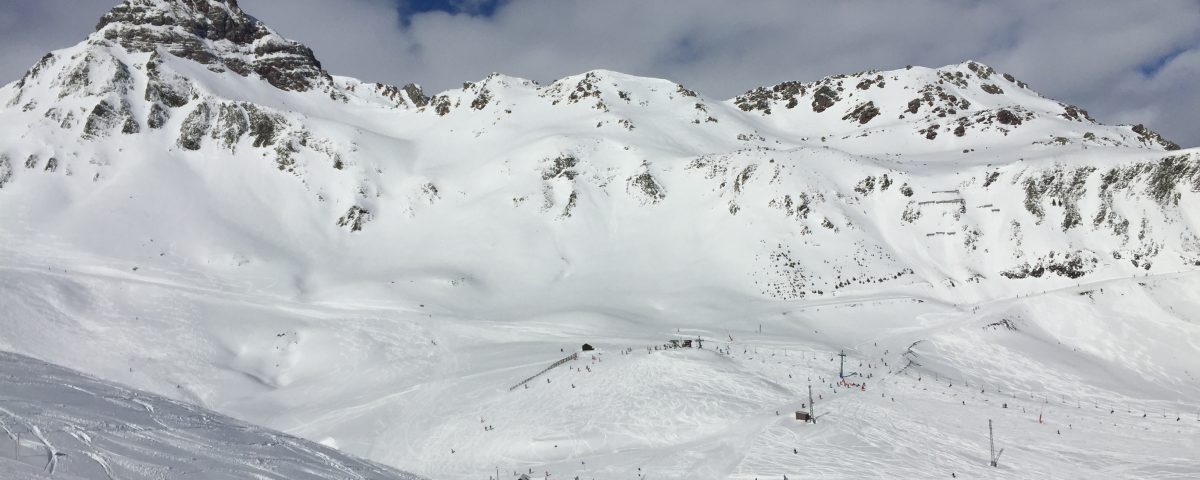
{"x":211,"y":19}
{"x":969,"y":77}
{"x":216,"y":33}
{"x":951,"y":102}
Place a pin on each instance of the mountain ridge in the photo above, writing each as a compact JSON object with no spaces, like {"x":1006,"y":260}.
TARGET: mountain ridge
{"x":189,"y":28}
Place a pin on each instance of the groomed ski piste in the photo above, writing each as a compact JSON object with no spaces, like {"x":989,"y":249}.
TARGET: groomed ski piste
{"x":191,"y":207}
{"x":1080,"y":382}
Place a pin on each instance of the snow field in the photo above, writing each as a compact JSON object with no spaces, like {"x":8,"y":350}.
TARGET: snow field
{"x":58,"y":423}
{"x":407,"y":388}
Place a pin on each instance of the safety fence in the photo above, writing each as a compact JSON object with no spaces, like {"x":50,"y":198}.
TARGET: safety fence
{"x":573,"y":356}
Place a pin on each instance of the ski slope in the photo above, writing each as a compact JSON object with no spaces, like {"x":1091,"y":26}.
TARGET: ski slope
{"x":59,"y":423}
{"x":418,"y":389}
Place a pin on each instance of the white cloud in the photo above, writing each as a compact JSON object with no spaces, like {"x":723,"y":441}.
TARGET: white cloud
{"x":1086,"y":52}
{"x":30,"y":29}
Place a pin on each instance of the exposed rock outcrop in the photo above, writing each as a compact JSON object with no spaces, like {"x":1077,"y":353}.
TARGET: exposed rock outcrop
{"x":216,"y":33}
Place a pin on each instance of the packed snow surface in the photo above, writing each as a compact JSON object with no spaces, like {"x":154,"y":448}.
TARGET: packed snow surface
{"x":59,"y":423}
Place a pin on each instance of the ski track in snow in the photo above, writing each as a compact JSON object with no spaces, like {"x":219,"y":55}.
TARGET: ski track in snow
{"x":698,"y":414}
{"x":74,"y":426}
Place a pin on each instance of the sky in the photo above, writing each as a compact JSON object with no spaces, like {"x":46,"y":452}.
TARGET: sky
{"x":1124,"y":61}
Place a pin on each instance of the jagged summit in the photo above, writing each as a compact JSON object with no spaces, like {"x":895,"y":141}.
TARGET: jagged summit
{"x":954,"y":101}
{"x":828,"y":91}
{"x":222,"y":18}
{"x":198,"y":74}
{"x":216,"y":33}
{"x":956,"y":107}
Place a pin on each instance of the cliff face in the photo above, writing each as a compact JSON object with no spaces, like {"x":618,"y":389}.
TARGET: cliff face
{"x":215,"y":33}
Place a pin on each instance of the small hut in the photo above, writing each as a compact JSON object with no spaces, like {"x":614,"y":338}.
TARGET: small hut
{"x":588,"y":347}
{"x":801,"y":415}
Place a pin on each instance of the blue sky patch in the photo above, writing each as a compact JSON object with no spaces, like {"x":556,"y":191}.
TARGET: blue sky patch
{"x":483,"y":8}
{"x":1151,"y":68}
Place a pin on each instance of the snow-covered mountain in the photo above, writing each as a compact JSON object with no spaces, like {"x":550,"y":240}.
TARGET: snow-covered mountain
{"x":188,"y":191}
{"x":59,"y":423}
